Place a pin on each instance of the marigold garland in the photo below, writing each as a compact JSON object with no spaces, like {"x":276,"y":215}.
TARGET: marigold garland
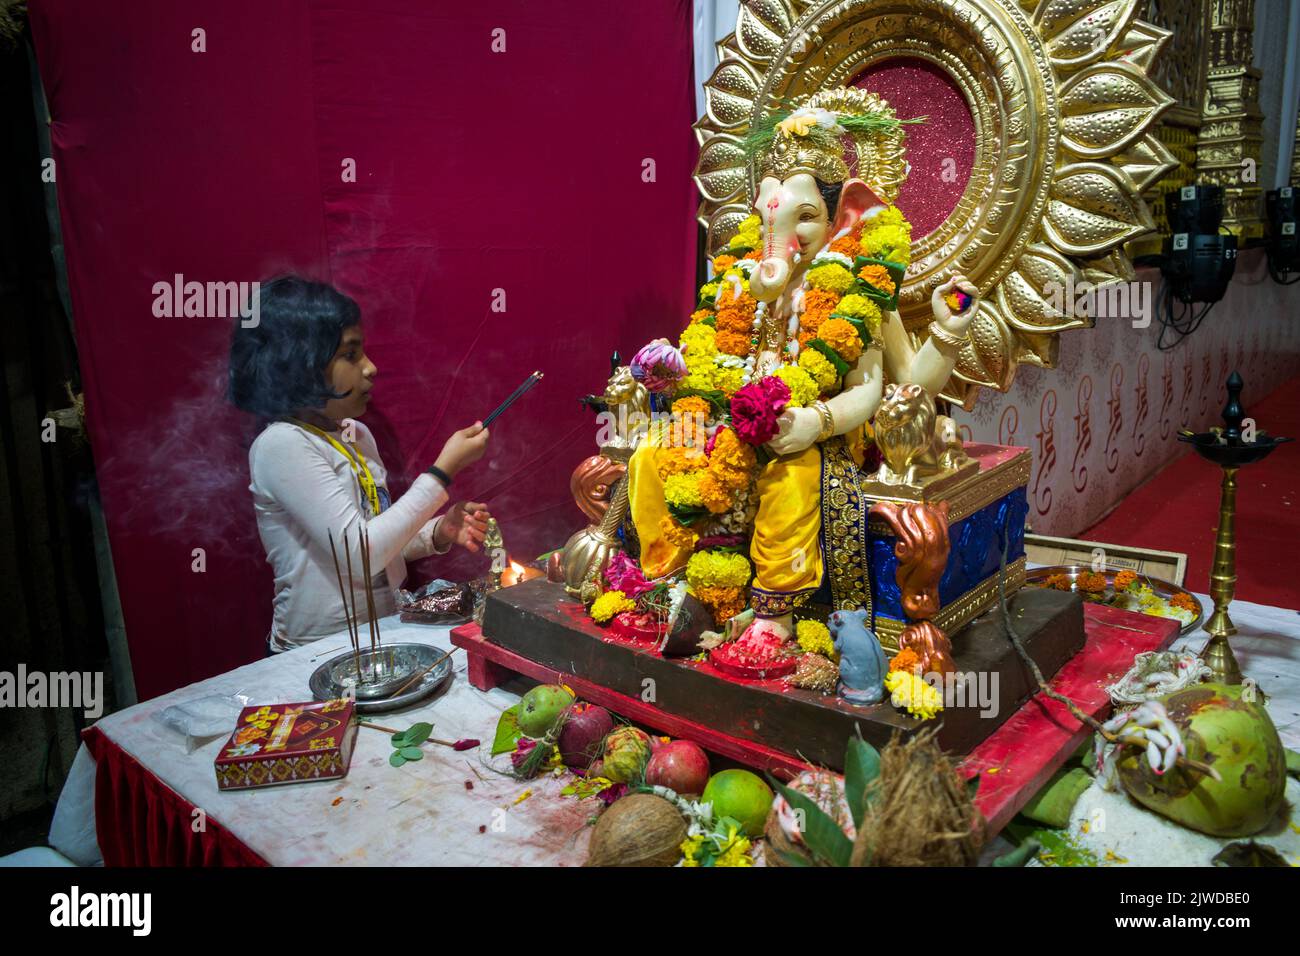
{"x":722,"y":569}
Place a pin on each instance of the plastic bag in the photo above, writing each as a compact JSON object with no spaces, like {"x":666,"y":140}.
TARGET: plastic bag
{"x":205,"y":718}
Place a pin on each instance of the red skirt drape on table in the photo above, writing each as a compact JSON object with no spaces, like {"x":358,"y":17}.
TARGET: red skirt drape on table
{"x":140,"y":821}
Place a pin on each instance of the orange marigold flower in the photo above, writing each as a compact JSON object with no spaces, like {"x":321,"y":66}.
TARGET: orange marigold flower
{"x":679,"y":461}
{"x":1091,"y":581}
{"x":823,"y":299}
{"x":842,"y":337}
{"x":723,"y":603}
{"x":691,"y":405}
{"x":701,"y":315}
{"x":878,"y":277}
{"x":753,"y":254}
{"x":1185,"y":601}
{"x":846,"y":245}
{"x":806,"y":337}
{"x":733,"y":320}
{"x":1060,"y":582}
{"x":905,"y":660}
{"x":722,"y":263}
{"x":1123,"y":579}
{"x":677,"y":534}
{"x":732,"y":343}
{"x":716,"y":497}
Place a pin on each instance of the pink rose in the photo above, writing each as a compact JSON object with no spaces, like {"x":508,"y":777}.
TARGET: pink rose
{"x":754,"y":410}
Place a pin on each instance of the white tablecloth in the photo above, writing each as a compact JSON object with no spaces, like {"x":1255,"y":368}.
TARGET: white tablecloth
{"x":422,"y":813}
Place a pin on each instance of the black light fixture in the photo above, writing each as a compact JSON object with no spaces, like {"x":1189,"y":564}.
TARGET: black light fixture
{"x":1283,"y":244}
{"x":1197,"y":262}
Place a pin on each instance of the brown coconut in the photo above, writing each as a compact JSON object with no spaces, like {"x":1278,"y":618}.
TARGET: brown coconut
{"x":638,"y":830}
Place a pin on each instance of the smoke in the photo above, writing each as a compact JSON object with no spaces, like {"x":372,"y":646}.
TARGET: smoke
{"x":182,"y":476}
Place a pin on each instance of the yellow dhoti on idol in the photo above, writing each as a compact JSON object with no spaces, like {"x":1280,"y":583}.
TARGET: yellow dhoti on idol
{"x":786,"y":546}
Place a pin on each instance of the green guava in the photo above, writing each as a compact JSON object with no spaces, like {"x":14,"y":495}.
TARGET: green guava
{"x":541,"y":707}
{"x":741,"y":795}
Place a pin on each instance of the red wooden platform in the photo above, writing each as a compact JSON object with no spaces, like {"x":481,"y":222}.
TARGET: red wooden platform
{"x":1015,"y":761}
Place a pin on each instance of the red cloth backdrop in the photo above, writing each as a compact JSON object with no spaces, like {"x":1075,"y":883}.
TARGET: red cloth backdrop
{"x":523,"y":170}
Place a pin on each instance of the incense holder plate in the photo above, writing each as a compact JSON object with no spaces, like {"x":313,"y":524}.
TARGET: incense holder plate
{"x":400,"y":662}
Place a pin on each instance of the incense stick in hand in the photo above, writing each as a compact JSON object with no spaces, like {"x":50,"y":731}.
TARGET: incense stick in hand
{"x":527,"y":383}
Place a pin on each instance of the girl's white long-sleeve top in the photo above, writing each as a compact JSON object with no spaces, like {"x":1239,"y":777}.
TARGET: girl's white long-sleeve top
{"x":304,"y":491}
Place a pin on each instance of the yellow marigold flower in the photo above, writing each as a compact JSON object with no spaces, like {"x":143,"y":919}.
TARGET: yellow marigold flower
{"x":697,"y":340}
{"x":831,"y":276}
{"x":803,"y":390}
{"x":735,"y":851}
{"x":815,"y":638}
{"x":676,"y":533}
{"x":684,"y":490}
{"x":717,"y":569}
{"x":842,"y":337}
{"x":823,"y":373}
{"x":690,"y":847}
{"x":888,"y":242}
{"x":709,"y":290}
{"x":891,"y":216}
{"x":909,"y":690}
{"x":609,"y":604}
{"x":728,"y":380}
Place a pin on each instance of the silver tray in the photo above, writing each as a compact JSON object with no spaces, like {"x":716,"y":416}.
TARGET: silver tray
{"x":324,"y":686}
{"x":1037,"y":577}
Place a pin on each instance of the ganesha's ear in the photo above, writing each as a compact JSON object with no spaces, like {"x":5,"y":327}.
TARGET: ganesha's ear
{"x":856,"y":200}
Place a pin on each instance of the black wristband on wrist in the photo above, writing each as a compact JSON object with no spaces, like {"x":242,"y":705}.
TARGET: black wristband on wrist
{"x":440,"y":475}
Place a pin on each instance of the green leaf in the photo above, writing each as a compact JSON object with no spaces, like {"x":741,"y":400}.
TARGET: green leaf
{"x":411,"y":753}
{"x":822,"y":835}
{"x":418,"y":734}
{"x":1020,"y":855}
{"x":396,"y":759}
{"x":1053,"y":805}
{"x":832,"y":356}
{"x":861,"y":767}
{"x":508,"y":732}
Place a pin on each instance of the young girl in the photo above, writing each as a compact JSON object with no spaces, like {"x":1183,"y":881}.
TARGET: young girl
{"x":316,"y":472}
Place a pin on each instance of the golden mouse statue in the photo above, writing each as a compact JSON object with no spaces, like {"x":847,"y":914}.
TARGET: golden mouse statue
{"x":784,"y":364}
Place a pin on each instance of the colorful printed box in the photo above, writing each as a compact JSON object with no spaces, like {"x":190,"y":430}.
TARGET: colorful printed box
{"x":288,"y":743}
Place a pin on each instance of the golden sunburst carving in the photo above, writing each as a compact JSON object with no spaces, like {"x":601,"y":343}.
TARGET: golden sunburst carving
{"x":1064,"y":114}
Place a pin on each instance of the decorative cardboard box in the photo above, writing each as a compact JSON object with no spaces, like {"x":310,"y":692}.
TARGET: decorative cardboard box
{"x":288,"y":743}
{"x":984,"y":504}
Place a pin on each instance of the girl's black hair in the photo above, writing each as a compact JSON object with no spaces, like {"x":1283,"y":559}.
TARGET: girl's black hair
{"x":831,"y":196}
{"x":278,"y":365}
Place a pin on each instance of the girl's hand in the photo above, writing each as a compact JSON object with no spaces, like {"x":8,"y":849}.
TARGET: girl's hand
{"x":465,"y":524}
{"x":463,"y":448}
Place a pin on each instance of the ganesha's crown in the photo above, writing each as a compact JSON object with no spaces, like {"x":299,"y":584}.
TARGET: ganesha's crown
{"x":833,"y":134}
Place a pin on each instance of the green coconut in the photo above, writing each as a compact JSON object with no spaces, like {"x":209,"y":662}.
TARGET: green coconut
{"x":1236,"y":737}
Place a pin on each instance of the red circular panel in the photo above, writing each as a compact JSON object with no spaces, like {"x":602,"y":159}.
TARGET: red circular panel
{"x":941,"y":150}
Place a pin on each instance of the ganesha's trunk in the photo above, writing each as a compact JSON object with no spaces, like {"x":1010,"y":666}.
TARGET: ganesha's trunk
{"x":773,"y":273}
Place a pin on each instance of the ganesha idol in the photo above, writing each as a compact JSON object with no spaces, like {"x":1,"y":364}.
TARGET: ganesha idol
{"x":794,"y":347}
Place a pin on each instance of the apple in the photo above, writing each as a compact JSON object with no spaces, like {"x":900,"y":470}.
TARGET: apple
{"x":582,"y":734}
{"x":541,"y":707}
{"x":679,"y":765}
